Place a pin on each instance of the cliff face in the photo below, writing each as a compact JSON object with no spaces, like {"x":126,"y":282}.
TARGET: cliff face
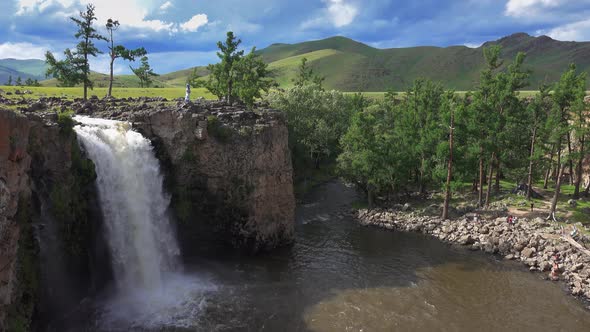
{"x":47,"y":215}
{"x":14,"y":185}
{"x":229,"y":171}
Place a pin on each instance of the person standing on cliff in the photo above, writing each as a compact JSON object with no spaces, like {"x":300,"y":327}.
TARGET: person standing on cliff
{"x":187,"y":96}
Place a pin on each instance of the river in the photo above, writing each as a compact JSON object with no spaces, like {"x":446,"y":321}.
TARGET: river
{"x":339,"y":276}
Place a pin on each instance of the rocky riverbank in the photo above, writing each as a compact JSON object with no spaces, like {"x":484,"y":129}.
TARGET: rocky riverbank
{"x":538,"y":244}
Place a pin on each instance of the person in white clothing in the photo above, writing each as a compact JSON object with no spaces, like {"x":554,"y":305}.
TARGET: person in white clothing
{"x":187,"y":96}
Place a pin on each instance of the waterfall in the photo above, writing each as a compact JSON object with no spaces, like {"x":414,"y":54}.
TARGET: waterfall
{"x":134,"y":205}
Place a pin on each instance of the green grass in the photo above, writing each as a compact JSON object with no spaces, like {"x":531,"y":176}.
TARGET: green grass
{"x":77,"y":92}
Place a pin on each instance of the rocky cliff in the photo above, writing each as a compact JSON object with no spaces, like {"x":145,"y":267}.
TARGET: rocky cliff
{"x":14,"y":186}
{"x":229,"y":172}
{"x":47,"y":215}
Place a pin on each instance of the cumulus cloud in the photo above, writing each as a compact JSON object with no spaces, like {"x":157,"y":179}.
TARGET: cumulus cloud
{"x":166,"y":5}
{"x":339,"y":13}
{"x":194,"y":23}
{"x":22,"y":51}
{"x":576,"y":31}
{"x":530,"y":8}
{"x":131,"y":13}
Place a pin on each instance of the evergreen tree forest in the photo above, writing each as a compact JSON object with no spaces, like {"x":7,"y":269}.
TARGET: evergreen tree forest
{"x":428,"y":139}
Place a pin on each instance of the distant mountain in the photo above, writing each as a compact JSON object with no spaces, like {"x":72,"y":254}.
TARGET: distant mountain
{"x":33,"y":69}
{"x":352,"y":66}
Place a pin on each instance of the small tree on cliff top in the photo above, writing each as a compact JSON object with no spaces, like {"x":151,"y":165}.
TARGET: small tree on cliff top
{"x":75,"y":68}
{"x":236,"y":76}
{"x":119,"y":51}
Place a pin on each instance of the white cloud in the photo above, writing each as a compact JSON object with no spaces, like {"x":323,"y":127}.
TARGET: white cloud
{"x":166,"y":5}
{"x":530,"y":8}
{"x":339,"y":13}
{"x":28,"y":6}
{"x":194,"y":23}
{"x":22,"y":51}
{"x":131,"y":13}
{"x":577,"y":31}
{"x":473,"y":45}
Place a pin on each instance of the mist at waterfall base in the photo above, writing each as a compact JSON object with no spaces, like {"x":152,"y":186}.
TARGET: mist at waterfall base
{"x":150,"y":288}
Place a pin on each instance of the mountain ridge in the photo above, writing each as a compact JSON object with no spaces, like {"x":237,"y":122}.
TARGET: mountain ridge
{"x":349,"y":65}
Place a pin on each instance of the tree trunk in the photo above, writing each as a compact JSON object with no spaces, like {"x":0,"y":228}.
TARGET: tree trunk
{"x":579,"y":169}
{"x":557,"y":167}
{"x":548,"y":172}
{"x":445,"y":212}
{"x":474,"y":185}
{"x":570,"y":162}
{"x":498,"y":175}
{"x":370,"y":196}
{"x":490,"y":175}
{"x":229,"y":92}
{"x":109,"y":93}
{"x":529,"y":182}
{"x":421,"y":186}
{"x":556,"y":194}
{"x":481,"y":176}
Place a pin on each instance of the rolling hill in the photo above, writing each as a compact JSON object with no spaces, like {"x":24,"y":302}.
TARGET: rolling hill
{"x":33,"y":69}
{"x":352,"y":66}
{"x":349,"y":65}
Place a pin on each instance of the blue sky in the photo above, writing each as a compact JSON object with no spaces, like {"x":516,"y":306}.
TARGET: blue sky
{"x":182,"y":33}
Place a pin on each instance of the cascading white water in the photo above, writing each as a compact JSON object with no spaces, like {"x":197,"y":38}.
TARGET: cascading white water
{"x":143,"y":245}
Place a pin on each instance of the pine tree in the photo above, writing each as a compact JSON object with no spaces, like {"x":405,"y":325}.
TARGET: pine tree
{"x":119,"y":51}
{"x":144,"y":72}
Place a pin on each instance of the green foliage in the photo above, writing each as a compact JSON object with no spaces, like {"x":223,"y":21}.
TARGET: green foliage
{"x":390,"y":145}
{"x":144,"y":72}
{"x":66,"y":123}
{"x":306,"y":75}
{"x":75,"y":68}
{"x":9,"y":82}
{"x":18,"y":82}
{"x":236,"y":76}
{"x":317,"y":119}
{"x":119,"y":51}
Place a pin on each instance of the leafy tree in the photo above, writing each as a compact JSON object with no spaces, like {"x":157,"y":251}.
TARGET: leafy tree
{"x":494,"y":103}
{"x":9,"y":80}
{"x":86,"y":46}
{"x":317,"y":120}
{"x":305,"y":75}
{"x":537,"y":113}
{"x":420,"y":121}
{"x":252,"y":78}
{"x":119,"y":51}
{"x":18,"y":81}
{"x":68,"y":71}
{"x":144,"y":72}
{"x":36,"y":83}
{"x":236,"y":75}
{"x":75,"y":68}
{"x":29,"y":82}
{"x":570,"y":90}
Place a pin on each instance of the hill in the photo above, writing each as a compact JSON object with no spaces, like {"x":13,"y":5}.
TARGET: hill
{"x":352,"y":66}
{"x":33,"y":69}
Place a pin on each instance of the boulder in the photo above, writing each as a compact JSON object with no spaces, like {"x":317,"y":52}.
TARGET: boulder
{"x":527,"y":252}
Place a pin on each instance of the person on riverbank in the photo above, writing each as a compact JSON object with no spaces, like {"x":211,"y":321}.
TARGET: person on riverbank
{"x":187,"y":96}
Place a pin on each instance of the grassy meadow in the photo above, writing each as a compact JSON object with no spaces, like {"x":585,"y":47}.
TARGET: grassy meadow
{"x":78,"y":92}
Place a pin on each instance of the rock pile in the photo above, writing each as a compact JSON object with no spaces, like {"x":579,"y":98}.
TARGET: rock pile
{"x":536,"y":243}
